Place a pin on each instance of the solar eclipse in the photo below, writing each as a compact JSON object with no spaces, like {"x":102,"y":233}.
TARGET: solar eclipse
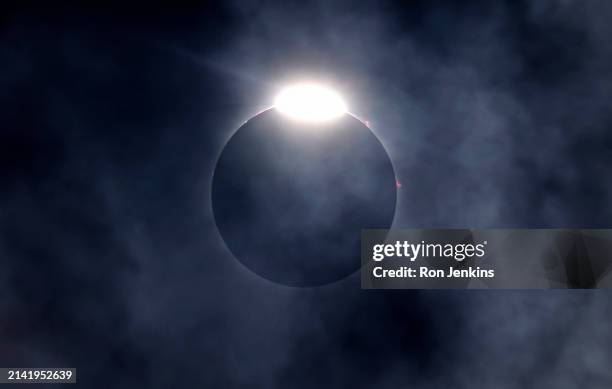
{"x":290,"y":202}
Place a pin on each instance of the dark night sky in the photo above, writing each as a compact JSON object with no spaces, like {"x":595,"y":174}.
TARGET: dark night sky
{"x":495,"y":114}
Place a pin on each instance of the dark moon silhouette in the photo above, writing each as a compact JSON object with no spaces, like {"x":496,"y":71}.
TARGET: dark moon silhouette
{"x":290,"y":199}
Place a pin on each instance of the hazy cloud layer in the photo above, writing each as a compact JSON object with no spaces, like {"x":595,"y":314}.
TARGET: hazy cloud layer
{"x":495,"y":114}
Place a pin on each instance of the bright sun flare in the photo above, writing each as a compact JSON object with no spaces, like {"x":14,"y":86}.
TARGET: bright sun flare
{"x":310,"y":103}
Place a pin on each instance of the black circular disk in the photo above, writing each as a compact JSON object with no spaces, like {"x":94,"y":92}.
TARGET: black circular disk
{"x":290,"y":199}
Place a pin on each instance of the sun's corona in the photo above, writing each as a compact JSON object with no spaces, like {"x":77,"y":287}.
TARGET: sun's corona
{"x":310,"y":102}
